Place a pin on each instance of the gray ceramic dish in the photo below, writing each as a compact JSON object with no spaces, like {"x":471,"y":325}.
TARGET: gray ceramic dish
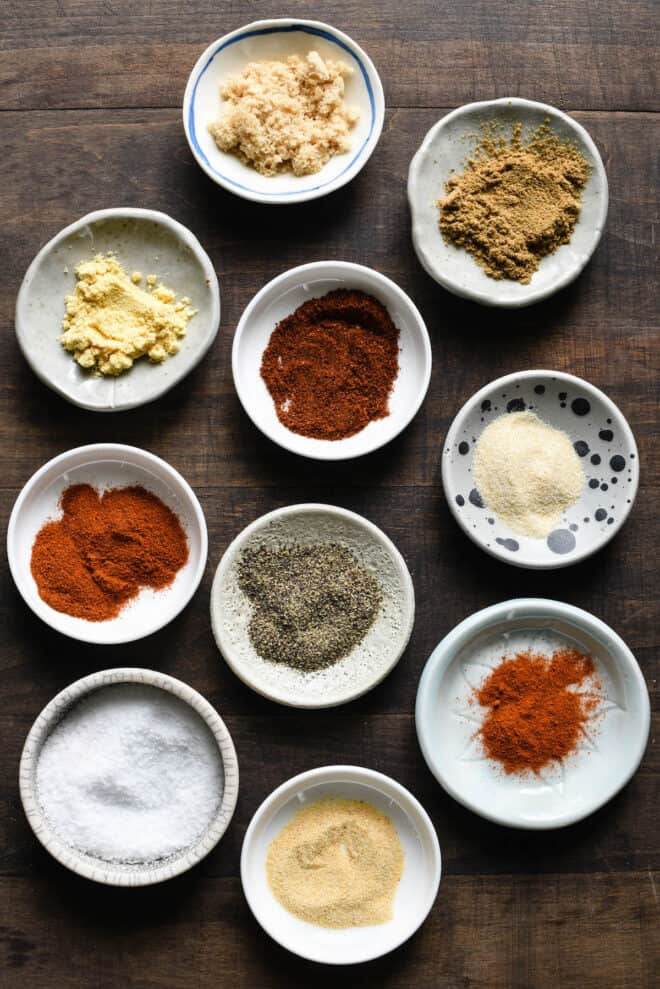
{"x":144,"y":240}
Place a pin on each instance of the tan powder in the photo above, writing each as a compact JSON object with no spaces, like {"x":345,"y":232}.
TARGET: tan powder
{"x":110,"y":321}
{"x":515,"y":202}
{"x":527,"y":472}
{"x":286,"y":115}
{"x":337,"y":863}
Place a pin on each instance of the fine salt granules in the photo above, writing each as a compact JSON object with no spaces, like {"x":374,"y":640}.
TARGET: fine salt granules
{"x":131,"y":774}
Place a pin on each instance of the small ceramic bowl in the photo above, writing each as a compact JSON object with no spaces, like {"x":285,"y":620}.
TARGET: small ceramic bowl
{"x":107,"y":465}
{"x":415,"y":894}
{"x":275,"y":40}
{"x":143,"y":240}
{"x":116,"y":873}
{"x":281,"y":297}
{"x":369,"y":662}
{"x":444,"y":151}
{"x":447,"y":723}
{"x":602,"y":439}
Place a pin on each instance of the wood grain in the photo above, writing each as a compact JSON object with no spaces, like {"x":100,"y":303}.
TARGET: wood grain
{"x":89,"y":108}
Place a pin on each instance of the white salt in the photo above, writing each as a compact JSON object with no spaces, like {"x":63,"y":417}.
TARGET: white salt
{"x":131,"y":774}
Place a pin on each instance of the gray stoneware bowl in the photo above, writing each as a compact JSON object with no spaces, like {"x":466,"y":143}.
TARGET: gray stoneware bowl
{"x":144,"y":240}
{"x":444,"y":150}
{"x":116,"y":873}
{"x":602,"y":439}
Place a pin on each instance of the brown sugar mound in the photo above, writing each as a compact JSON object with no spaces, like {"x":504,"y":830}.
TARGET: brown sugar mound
{"x":515,"y":202}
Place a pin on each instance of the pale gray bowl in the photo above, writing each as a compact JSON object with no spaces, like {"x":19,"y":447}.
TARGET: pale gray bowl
{"x":444,"y":151}
{"x":146,"y":241}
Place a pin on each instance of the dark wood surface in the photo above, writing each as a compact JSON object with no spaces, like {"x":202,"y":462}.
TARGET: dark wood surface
{"x":90,"y":115}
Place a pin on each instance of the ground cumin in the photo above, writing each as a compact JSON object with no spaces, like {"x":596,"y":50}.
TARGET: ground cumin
{"x":535,"y":716}
{"x":104,"y":549}
{"x":515,"y":202}
{"x":330,"y":365}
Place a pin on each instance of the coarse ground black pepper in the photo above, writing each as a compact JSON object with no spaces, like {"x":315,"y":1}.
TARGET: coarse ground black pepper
{"x":311,"y":604}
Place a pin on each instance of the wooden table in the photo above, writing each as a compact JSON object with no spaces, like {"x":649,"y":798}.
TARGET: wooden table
{"x":91,"y":118}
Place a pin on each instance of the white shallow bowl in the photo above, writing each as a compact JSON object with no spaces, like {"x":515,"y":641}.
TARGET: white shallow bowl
{"x":444,"y":151}
{"x":107,"y":465}
{"x":275,"y":40}
{"x":446,"y":723}
{"x":369,"y":662}
{"x":146,"y":241}
{"x":281,"y":297}
{"x":115,"y":873}
{"x":603,"y":440}
{"x":415,"y":894}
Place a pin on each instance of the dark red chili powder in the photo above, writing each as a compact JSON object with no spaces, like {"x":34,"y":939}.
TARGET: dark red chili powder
{"x":533,"y":716}
{"x":104,"y":549}
{"x":330,"y":365}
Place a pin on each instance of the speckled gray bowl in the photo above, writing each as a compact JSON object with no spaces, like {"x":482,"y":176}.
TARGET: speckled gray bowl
{"x":146,"y":241}
{"x":116,"y":873}
{"x":369,"y":662}
{"x":602,"y":439}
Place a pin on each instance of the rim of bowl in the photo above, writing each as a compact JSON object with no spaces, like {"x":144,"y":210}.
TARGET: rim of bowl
{"x":385,"y":785}
{"x":282,"y":24}
{"x":243,"y":536}
{"x":47,"y":720}
{"x":622,"y":425}
{"x":448,"y":647}
{"x":97,"y":452}
{"x":135,"y":213}
{"x":482,"y":297}
{"x":332,"y":452}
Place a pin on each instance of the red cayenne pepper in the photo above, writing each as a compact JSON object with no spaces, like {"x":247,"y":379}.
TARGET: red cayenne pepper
{"x":330,"y":365}
{"x":535,"y":716}
{"x":104,"y":549}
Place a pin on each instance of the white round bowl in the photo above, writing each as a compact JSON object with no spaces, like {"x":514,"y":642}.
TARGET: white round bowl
{"x":116,"y":873}
{"x":446,"y":722}
{"x":276,"y":39}
{"x":106,"y":465}
{"x":146,"y":241}
{"x":369,"y":662}
{"x":281,"y":297}
{"x":601,"y":437}
{"x":415,"y":894}
{"x":444,"y":151}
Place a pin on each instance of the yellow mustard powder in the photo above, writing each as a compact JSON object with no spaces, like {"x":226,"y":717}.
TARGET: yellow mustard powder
{"x":110,"y":321}
{"x":286,"y":115}
{"x":337,"y":863}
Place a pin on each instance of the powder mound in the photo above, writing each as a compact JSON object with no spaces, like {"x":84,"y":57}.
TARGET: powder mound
{"x":311,"y":604}
{"x":110,"y":321}
{"x":286,"y":115}
{"x":106,"y":546}
{"x":337,"y":864}
{"x":515,"y":202}
{"x":527,"y":472}
{"x":330,"y":366}
{"x":535,"y":716}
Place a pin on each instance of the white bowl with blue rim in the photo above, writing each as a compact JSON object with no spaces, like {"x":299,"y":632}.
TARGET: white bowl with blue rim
{"x":602,"y":440}
{"x":275,"y":40}
{"x":448,"y":718}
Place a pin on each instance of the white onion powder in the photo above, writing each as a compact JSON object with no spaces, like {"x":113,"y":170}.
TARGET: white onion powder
{"x":131,"y":774}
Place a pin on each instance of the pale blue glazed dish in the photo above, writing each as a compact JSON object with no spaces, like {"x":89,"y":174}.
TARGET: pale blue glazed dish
{"x":276,"y":39}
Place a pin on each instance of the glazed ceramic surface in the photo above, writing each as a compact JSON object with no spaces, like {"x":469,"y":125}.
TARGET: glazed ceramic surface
{"x":281,"y":297}
{"x":115,"y":873}
{"x":369,"y":662}
{"x":275,"y":40}
{"x":444,"y":152}
{"x":601,"y":438}
{"x":145,"y":241}
{"x":107,"y":465}
{"x":448,"y":719}
{"x":415,"y":894}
